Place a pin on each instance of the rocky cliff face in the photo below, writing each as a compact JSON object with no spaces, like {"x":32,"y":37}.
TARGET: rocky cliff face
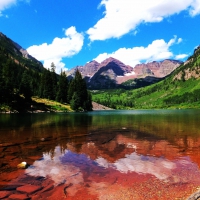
{"x":16,"y":49}
{"x":25,"y":53}
{"x":86,"y":71}
{"x":156,"y":69}
{"x":191,"y":68}
{"x":111,"y":72}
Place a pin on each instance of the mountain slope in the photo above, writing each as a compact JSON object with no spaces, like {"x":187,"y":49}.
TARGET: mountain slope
{"x":112,"y":73}
{"x":20,"y":76}
{"x":14,"y":51}
{"x":181,"y":89}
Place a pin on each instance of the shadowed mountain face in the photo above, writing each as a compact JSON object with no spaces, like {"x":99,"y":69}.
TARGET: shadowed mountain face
{"x":18,"y":53}
{"x":111,"y":73}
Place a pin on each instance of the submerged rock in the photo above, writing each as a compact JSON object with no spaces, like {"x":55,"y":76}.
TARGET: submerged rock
{"x":22,"y":165}
{"x":19,"y":196}
{"x":4,"y":194}
{"x":29,"y":189}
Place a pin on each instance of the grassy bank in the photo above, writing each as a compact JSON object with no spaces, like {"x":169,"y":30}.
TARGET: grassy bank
{"x":35,"y":105}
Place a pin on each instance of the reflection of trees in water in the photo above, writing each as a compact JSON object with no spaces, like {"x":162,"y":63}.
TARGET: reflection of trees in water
{"x":46,"y":131}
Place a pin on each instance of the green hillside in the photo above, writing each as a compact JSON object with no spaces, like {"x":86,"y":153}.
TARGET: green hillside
{"x":22,"y":77}
{"x":181,"y":89}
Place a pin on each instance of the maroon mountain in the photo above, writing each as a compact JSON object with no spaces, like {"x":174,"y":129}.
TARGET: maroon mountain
{"x":111,"y":73}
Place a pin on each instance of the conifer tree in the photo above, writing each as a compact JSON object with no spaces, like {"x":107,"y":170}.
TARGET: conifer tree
{"x":25,"y":86}
{"x":71,"y":90}
{"x":54,"y":81}
{"x":62,"y":88}
{"x":80,"y":99}
{"x":47,"y":85}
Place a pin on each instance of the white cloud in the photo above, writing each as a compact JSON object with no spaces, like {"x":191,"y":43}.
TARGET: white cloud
{"x":60,"y":172}
{"x":181,"y":56}
{"x":159,"y":167}
{"x":157,"y":50}
{"x":179,"y":40}
{"x":59,"y":48}
{"x":123,"y":16}
{"x":195,"y":8}
{"x":4,"y":4}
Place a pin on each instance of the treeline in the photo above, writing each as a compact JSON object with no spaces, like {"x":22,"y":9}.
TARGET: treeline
{"x":58,"y":88}
{"x":18,"y":79}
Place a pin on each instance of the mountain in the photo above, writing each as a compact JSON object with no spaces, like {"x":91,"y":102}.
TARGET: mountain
{"x":22,"y":78}
{"x":180,"y":89}
{"x":18,"y":54}
{"x":156,"y":69}
{"x":112,"y":73}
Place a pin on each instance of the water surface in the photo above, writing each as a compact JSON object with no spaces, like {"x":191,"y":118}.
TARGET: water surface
{"x":141,"y":154}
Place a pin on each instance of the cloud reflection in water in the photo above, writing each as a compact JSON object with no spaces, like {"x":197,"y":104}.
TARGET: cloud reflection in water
{"x":52,"y":167}
{"x":159,"y":167}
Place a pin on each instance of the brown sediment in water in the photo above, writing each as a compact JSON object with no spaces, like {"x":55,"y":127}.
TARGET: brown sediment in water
{"x":97,"y":163}
{"x":92,"y":181}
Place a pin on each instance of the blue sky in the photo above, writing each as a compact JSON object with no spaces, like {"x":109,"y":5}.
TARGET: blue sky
{"x":74,"y":32}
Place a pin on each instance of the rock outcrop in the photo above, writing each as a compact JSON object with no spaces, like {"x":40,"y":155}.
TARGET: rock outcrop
{"x":111,"y":72}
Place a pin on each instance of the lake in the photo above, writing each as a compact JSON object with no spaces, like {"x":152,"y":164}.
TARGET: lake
{"x":106,"y":155}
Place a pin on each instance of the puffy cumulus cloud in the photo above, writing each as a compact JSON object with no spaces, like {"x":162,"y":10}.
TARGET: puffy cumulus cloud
{"x":157,"y":50}
{"x":59,"y":48}
{"x":181,"y":56}
{"x":123,"y":16}
{"x":4,"y":4}
{"x":195,"y":8}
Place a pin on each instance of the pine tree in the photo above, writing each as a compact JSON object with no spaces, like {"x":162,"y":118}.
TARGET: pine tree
{"x":54,"y":81}
{"x":76,"y":102}
{"x":88,"y":103}
{"x":71,"y":90}
{"x":48,"y":84}
{"x":62,"y":88}
{"x":25,"y":86}
{"x":78,"y":96}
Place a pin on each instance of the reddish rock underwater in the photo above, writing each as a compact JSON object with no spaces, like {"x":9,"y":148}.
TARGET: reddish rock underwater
{"x":104,"y":160}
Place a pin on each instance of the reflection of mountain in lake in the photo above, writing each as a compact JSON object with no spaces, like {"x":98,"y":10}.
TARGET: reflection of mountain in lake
{"x":97,"y":153}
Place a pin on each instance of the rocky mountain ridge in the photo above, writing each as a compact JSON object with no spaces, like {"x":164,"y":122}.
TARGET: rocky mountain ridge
{"x":15,"y":50}
{"x":111,"y":72}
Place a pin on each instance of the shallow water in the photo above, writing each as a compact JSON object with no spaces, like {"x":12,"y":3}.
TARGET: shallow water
{"x":141,"y":154}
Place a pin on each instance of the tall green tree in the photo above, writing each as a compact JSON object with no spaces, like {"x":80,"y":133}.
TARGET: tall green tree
{"x":54,"y":81}
{"x":25,"y":86}
{"x":48,"y":85}
{"x":62,"y":88}
{"x":78,"y":96}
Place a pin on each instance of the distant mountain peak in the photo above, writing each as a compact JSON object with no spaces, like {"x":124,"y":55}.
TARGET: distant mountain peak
{"x":111,"y":59}
{"x":112,"y":72}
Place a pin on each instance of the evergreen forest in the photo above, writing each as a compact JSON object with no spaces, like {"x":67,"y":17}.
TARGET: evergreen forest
{"x":22,"y":78}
